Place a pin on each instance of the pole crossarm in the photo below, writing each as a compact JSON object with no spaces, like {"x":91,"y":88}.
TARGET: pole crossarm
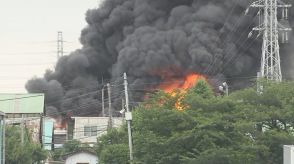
{"x":261,"y":4}
{"x":283,"y":28}
{"x":258,"y":4}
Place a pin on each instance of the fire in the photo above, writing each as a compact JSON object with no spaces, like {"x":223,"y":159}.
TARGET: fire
{"x":171,"y":85}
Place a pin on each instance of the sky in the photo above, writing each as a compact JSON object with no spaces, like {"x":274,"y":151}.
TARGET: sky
{"x":28,"y":34}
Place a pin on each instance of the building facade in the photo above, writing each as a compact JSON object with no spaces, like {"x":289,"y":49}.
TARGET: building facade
{"x":87,"y":129}
{"x":82,"y":157}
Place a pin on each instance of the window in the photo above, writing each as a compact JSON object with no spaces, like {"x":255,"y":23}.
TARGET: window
{"x":90,"y":131}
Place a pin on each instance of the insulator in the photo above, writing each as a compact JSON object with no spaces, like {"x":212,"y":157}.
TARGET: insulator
{"x":283,"y":13}
{"x":283,"y":37}
{"x":286,"y":14}
{"x":286,"y":37}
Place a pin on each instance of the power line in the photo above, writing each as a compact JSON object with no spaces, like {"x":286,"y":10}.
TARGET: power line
{"x":25,"y":53}
{"x":220,"y":34}
{"x":24,"y":97}
{"x":27,"y":64}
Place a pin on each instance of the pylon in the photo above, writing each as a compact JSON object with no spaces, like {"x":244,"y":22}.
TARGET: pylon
{"x":270,"y":28}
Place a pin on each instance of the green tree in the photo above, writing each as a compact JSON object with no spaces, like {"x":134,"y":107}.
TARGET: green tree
{"x":201,"y":89}
{"x":245,"y":127}
{"x":17,"y":153}
{"x":71,"y":146}
{"x":114,"y":154}
{"x":272,"y":114}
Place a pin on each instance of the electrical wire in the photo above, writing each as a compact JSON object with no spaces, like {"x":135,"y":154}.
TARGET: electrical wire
{"x":207,"y":70}
{"x":239,"y":39}
{"x":240,"y":47}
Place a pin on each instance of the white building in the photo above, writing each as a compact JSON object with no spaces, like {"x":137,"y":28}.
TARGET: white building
{"x":82,"y":157}
{"x":87,"y":129}
{"x":288,"y":154}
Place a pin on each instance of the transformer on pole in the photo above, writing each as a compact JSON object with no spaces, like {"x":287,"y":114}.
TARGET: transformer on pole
{"x":59,"y":44}
{"x":270,"y":28}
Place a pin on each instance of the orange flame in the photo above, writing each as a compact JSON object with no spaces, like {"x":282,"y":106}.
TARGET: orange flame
{"x":170,"y":85}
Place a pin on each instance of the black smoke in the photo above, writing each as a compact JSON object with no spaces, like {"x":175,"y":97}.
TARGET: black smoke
{"x":154,"y":40}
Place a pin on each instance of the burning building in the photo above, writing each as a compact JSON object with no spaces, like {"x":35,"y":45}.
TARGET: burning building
{"x":155,"y":42}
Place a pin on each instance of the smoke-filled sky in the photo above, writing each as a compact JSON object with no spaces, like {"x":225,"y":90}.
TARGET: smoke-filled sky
{"x":155,"y":41}
{"x":28,"y":34}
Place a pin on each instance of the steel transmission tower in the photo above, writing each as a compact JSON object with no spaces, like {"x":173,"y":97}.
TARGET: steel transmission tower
{"x":59,"y":44}
{"x":270,"y":28}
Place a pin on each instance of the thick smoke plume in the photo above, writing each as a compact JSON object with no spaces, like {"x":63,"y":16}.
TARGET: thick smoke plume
{"x":152,"y":41}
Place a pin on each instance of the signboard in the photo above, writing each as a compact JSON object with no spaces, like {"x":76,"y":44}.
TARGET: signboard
{"x":22,"y":103}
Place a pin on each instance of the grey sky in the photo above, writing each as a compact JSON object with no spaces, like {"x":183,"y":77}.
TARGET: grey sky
{"x":28,"y":33}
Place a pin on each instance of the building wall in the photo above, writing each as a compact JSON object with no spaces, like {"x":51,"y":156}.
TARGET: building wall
{"x":82,"y":158}
{"x":59,"y":137}
{"x":32,"y":123}
{"x":288,"y":154}
{"x":100,"y":122}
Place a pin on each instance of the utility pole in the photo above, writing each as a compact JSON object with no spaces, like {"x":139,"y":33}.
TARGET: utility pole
{"x":59,"y":44}
{"x":109,"y":106}
{"x":103,"y":110}
{"x":22,"y":129}
{"x":128,"y":116}
{"x":270,"y":27}
{"x":2,"y":138}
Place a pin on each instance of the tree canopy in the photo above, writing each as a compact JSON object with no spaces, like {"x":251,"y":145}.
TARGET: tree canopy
{"x":26,"y":153}
{"x":69,"y":147}
{"x":245,"y":127}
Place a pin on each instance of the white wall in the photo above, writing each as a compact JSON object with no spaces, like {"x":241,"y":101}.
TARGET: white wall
{"x":288,"y":154}
{"x":82,"y":158}
{"x":100,"y":122}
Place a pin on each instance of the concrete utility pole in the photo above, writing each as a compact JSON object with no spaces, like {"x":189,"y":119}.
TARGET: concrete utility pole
{"x":59,"y":44}
{"x":22,"y":129}
{"x":103,"y":110}
{"x":128,"y":116}
{"x":109,"y":106}
{"x":2,"y":138}
{"x":270,"y":27}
